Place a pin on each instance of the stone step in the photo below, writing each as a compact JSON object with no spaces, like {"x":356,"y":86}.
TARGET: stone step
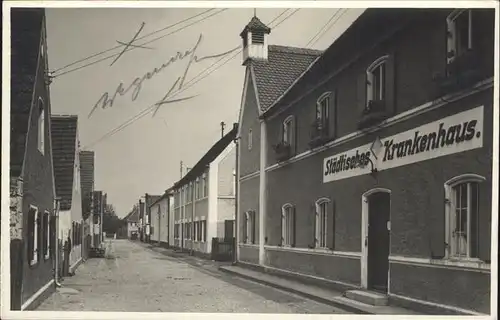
{"x":368,"y":297}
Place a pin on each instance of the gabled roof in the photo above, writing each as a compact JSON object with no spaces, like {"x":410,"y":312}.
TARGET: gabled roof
{"x":284,"y":65}
{"x":133,"y":216}
{"x":26,"y":28}
{"x":64,"y":134}
{"x":208,"y":158}
{"x":150,"y":199}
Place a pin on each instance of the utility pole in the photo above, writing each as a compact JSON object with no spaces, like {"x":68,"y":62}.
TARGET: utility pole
{"x":222,"y":125}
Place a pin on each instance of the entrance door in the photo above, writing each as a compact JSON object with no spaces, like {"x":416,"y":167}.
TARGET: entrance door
{"x":379,"y":206}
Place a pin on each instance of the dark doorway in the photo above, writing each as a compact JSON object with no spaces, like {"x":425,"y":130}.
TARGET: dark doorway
{"x":379,"y":207}
{"x":228,"y":229}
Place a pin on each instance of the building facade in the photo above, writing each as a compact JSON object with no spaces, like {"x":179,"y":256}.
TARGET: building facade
{"x":161,"y":220}
{"x":204,"y":199}
{"x":381,"y":151}
{"x":32,"y":190}
{"x":87,"y":189}
{"x":67,"y":176}
{"x":148,"y":223}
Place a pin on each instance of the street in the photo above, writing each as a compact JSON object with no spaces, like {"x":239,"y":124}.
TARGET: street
{"x":136,"y":278}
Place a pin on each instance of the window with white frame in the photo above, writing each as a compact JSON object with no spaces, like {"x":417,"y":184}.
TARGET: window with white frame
{"x":288,"y":130}
{"x":41,"y":126}
{"x":197,"y":189}
{"x":46,"y":232}
{"x":250,"y":227}
{"x":205,"y":185}
{"x":459,"y":33}
{"x":288,"y":225}
{"x":322,"y":108}
{"x":321,"y":223}
{"x":462,"y":198}
{"x":376,"y":80}
{"x":250,"y":139}
{"x":33,"y":235}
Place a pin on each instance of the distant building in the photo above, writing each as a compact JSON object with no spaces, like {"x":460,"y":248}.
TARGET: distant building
{"x":162,"y":219}
{"x":32,"y":191}
{"x":67,"y":175}
{"x":132,"y":220}
{"x":87,"y":187}
{"x":204,"y":199}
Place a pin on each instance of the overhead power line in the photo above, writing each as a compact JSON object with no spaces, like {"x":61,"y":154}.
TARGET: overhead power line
{"x":327,"y":29}
{"x":186,"y":86}
{"x":130,"y":48}
{"x":323,"y":27}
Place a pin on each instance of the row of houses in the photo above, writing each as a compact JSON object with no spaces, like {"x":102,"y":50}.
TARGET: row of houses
{"x":51,"y":178}
{"x":364,"y":166}
{"x":195,"y":210}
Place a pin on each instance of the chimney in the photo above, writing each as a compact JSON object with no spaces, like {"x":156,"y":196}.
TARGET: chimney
{"x":254,"y":37}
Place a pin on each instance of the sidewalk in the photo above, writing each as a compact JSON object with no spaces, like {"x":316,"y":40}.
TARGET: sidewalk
{"x":325,"y":296}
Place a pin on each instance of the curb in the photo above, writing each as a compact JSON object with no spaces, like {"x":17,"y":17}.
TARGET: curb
{"x":332,"y":303}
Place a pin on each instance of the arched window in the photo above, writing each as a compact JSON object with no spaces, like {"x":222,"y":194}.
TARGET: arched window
{"x":250,"y":139}
{"x":288,"y":126}
{"x":249,"y":236}
{"x":376,"y":80}
{"x":459,"y":32}
{"x":321,"y":222}
{"x":288,"y":225}
{"x":322,"y":108}
{"x":462,"y":215}
{"x":41,"y":126}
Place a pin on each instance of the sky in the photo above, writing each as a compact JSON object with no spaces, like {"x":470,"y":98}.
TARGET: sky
{"x":144,"y":157}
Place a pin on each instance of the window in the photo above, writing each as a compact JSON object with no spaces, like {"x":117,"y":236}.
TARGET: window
{"x":204,"y":230}
{"x":33,"y":235}
{"x":462,"y":195}
{"x":459,"y":33}
{"x":250,"y":227}
{"x":197,"y":189}
{"x":46,"y":232}
{"x":176,"y":231}
{"x":288,"y":225}
{"x":288,"y":130}
{"x":376,"y":80}
{"x":205,"y":185}
{"x":41,"y":126}
{"x":321,"y":223}
{"x":234,"y":181}
{"x":250,"y":137}
{"x":322,"y":108}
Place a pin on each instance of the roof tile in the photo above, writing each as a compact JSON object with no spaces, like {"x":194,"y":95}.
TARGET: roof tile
{"x":64,"y":130}
{"x":277,"y":74}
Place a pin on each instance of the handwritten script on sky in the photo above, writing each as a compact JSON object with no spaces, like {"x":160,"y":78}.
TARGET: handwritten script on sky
{"x":136,"y":85}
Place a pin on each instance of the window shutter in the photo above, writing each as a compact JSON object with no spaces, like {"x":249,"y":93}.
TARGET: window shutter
{"x":437,"y":231}
{"x":361,"y":92}
{"x":283,"y":226}
{"x":315,"y":225}
{"x":253,"y":227}
{"x":331,"y":227}
{"x":484,"y":223}
{"x":390,"y":85}
{"x":294,"y":228}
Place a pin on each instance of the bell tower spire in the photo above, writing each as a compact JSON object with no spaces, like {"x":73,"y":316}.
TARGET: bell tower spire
{"x":254,"y":37}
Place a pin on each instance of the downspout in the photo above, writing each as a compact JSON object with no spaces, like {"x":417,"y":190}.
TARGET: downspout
{"x":56,"y":249}
{"x":236,"y":198}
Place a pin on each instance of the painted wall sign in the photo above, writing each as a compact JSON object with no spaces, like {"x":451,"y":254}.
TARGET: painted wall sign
{"x":454,"y":134}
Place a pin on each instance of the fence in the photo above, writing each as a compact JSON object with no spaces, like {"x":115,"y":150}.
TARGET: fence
{"x":223,"y":249}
